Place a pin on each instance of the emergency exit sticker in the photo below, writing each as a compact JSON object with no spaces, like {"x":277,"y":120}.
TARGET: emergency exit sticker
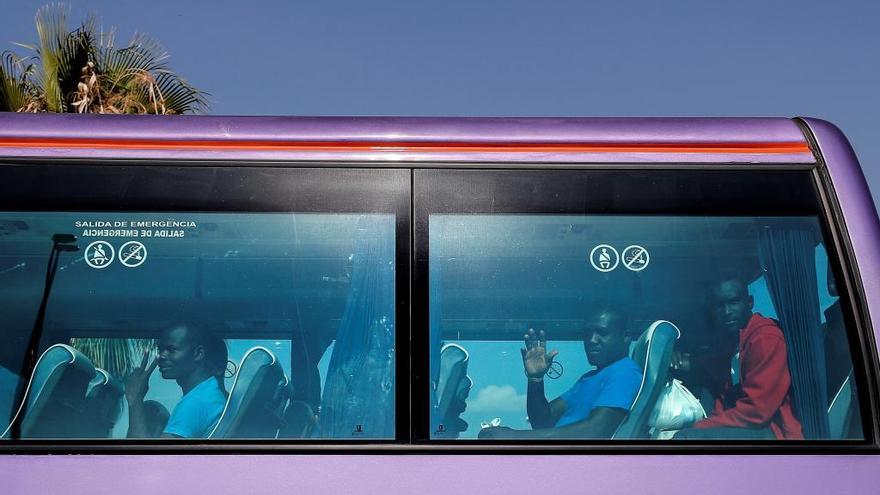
{"x":636,"y":258}
{"x":99,"y":254}
{"x":125,"y":240}
{"x":132,"y":254}
{"x":163,"y":229}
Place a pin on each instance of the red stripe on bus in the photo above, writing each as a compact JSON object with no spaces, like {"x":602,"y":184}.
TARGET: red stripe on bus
{"x":405,"y":147}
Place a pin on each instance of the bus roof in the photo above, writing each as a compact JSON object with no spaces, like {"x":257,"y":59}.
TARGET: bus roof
{"x":405,"y":139}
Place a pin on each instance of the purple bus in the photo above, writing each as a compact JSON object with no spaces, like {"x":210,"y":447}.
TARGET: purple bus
{"x":215,"y":304}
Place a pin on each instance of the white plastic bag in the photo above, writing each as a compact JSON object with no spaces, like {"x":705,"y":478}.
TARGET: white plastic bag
{"x":676,"y":408}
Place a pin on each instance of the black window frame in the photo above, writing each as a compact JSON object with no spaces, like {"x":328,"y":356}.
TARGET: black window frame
{"x":34,"y":185}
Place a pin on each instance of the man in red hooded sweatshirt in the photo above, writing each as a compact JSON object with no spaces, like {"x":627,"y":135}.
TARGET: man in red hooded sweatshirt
{"x":756,"y":401}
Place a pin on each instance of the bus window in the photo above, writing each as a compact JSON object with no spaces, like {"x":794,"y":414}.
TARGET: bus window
{"x":200,"y":325}
{"x":583,"y":316}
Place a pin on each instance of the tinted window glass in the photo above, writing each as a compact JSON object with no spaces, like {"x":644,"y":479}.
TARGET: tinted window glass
{"x":222,"y":325}
{"x":549,"y":322}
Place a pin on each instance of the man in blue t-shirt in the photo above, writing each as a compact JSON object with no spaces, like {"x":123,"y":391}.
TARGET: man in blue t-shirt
{"x":196,"y":359}
{"x":600,"y":400}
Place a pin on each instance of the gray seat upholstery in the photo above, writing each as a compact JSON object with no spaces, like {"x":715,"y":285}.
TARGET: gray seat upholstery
{"x":653,"y":353}
{"x":842,"y":411}
{"x":256,"y":400}
{"x":103,"y":405}
{"x":55,"y":395}
{"x":299,"y":420}
{"x":453,"y":387}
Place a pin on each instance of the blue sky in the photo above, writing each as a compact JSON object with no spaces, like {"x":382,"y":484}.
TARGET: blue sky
{"x":516,"y":58}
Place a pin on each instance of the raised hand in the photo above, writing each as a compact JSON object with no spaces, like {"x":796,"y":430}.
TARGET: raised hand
{"x":536,"y":359}
{"x":137,"y":382}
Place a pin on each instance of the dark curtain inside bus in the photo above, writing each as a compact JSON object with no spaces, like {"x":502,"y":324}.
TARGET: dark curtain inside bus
{"x":358,"y":396}
{"x":789,"y":262}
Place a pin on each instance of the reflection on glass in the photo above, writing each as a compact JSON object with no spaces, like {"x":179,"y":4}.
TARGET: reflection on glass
{"x":628,"y":327}
{"x":197,"y":325}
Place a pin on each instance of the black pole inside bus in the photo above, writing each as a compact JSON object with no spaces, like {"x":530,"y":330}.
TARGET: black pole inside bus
{"x":60,"y":243}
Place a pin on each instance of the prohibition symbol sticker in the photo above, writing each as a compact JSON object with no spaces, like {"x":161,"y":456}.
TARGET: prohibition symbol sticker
{"x":99,"y":254}
{"x":636,"y":258}
{"x":132,"y":254}
{"x":604,"y":258}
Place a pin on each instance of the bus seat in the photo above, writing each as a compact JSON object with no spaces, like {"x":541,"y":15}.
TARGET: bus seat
{"x":258,"y":394}
{"x":460,"y":404}
{"x":453,"y":387}
{"x":156,"y":416}
{"x":299,"y":420}
{"x":103,"y":405}
{"x":464,"y":390}
{"x":653,"y":353}
{"x":55,"y":395}
{"x":840,"y":412}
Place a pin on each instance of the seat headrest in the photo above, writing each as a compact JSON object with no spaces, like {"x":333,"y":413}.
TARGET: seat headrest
{"x":453,"y":387}
{"x":452,"y":358}
{"x":652,"y":352}
{"x":59,"y":380}
{"x":103,"y":404}
{"x":103,"y":383}
{"x":659,"y":330}
{"x":453,"y":370}
{"x":255,"y":389}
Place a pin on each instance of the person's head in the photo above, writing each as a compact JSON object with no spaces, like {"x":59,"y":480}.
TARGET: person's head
{"x":730,"y":304}
{"x":186,"y":349}
{"x":606,"y":335}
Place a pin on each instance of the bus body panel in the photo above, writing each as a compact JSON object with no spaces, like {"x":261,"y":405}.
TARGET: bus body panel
{"x":440,"y":474}
{"x":391,"y":140}
{"x":857,"y":207}
{"x":463,"y":473}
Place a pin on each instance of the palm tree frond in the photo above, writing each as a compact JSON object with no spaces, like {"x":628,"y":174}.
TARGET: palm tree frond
{"x":180,"y":96}
{"x":140,"y":71}
{"x":15,"y":94}
{"x":33,"y":48}
{"x":117,"y":356}
{"x":74,"y":59}
{"x":51,"y":21}
{"x":83,"y":71}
